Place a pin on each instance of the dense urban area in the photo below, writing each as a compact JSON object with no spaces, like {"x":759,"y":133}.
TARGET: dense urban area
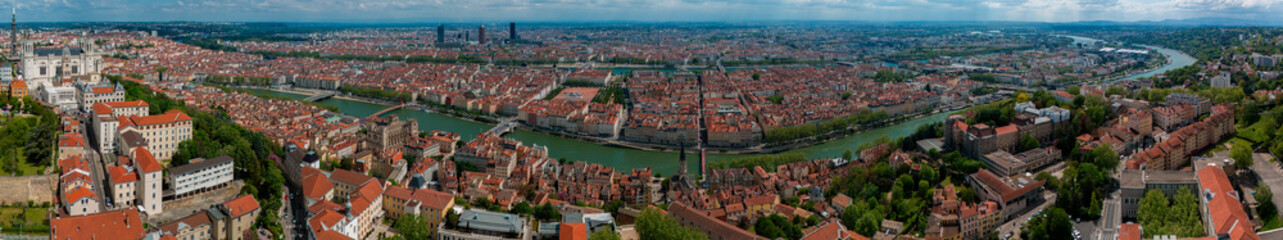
{"x":191,"y":130}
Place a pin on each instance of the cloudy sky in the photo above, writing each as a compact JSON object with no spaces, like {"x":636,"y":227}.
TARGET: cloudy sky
{"x":640,"y":10}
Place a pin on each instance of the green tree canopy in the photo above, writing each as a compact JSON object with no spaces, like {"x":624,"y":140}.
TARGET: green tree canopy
{"x":412,"y":226}
{"x":1242,"y":154}
{"x":1053,"y":224}
{"x":652,"y":224}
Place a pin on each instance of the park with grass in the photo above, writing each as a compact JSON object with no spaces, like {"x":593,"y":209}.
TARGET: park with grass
{"x":28,"y":131}
{"x":24,"y":220}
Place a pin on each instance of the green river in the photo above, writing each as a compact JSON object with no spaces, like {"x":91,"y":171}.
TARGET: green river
{"x":622,"y":159}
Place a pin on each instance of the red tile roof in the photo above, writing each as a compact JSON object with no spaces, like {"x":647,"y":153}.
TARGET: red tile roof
{"x":241,"y":205}
{"x":350,"y":177}
{"x":104,"y":90}
{"x":832,"y":230}
{"x":172,"y":116}
{"x":145,"y":162}
{"x":316,"y":185}
{"x":709,"y":224}
{"x":121,"y":175}
{"x":1129,"y":231}
{"x":120,"y":224}
{"x":1227,"y":214}
{"x":573,"y":231}
{"x":80,"y":192}
{"x":71,"y":140}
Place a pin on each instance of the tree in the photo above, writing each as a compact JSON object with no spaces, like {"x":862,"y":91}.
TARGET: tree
{"x":1153,"y":212}
{"x":652,"y":224}
{"x":848,"y":155}
{"x":776,"y":226}
{"x":1242,"y":155}
{"x":1163,"y":217}
{"x":1053,"y":224}
{"x":522,"y":208}
{"x":1053,"y":183}
{"x":412,"y":226}
{"x":547,"y":212}
{"x":1027,"y":143}
{"x":451,"y":219}
{"x":604,"y":234}
{"x":1264,"y":196}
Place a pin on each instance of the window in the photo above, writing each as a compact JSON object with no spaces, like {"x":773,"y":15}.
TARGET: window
{"x":43,"y":71}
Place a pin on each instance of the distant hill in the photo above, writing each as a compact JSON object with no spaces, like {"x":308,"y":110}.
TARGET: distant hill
{"x":1192,"y":22}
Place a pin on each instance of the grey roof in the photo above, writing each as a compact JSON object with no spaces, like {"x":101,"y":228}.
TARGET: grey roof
{"x":593,"y":221}
{"x":1137,"y":179}
{"x":133,"y":139}
{"x":195,"y":166}
{"x":1152,"y":176}
{"x":57,"y":51}
{"x":1132,"y":179}
{"x":491,"y":221}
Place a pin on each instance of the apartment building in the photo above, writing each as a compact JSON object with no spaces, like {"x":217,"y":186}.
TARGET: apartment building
{"x":234,"y":219}
{"x":137,"y":181}
{"x":201,"y":174}
{"x":431,"y":205}
{"x":94,"y":94}
{"x":106,"y":120}
{"x":163,"y":132}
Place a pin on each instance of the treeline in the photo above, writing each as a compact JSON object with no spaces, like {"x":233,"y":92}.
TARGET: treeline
{"x":376,"y":93}
{"x":768,"y":162}
{"x":331,"y":108}
{"x":787,"y":61}
{"x":1205,"y":44}
{"x":215,"y":135}
{"x":209,"y":43}
{"x":627,"y":60}
{"x":237,"y":80}
{"x":580,"y":83}
{"x":791,"y":133}
{"x":613,"y":94}
{"x":930,"y":54}
{"x":891,"y":76}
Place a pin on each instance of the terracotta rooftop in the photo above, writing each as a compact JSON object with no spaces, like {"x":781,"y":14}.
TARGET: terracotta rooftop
{"x":120,"y":224}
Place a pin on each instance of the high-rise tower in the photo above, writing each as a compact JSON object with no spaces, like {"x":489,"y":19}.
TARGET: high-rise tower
{"x":481,"y":34}
{"x":13,"y":36}
{"x":441,"y":33}
{"x":512,"y":30}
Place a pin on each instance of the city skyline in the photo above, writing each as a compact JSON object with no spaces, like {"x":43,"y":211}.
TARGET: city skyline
{"x":645,"y":11}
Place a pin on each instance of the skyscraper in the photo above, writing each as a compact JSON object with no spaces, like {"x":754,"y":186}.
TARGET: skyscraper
{"x":441,"y":33}
{"x":481,"y":34}
{"x":512,"y":30}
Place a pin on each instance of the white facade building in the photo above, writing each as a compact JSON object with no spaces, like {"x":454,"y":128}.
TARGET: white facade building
{"x":63,"y":97}
{"x":105,"y":121}
{"x":201,"y":174}
{"x":77,"y":58}
{"x":93,"y":94}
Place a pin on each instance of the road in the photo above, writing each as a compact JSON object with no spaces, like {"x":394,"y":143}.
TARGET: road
{"x":1270,"y":175}
{"x":1110,"y":218}
{"x":1013,"y":225}
{"x":97,"y":164}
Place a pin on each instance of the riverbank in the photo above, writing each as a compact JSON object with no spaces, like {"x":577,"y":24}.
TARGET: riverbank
{"x":611,"y":155}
